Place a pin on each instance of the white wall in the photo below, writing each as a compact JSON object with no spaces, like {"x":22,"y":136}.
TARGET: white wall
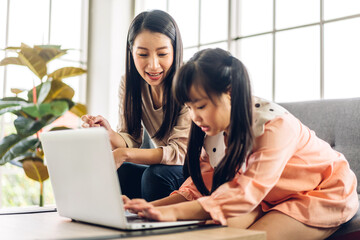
{"x":108,"y":24}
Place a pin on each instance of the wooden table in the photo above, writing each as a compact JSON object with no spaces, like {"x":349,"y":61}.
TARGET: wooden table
{"x":49,"y":225}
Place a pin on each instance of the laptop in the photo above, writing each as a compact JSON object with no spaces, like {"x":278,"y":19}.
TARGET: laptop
{"x":85,"y":183}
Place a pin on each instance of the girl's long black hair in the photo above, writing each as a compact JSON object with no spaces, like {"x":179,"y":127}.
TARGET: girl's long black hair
{"x":158,"y":22}
{"x":217,"y":72}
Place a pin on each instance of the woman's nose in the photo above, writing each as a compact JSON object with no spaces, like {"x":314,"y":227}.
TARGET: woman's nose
{"x":154,"y":62}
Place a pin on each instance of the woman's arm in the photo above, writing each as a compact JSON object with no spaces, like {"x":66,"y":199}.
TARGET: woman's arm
{"x":116,"y":140}
{"x":138,"y":155}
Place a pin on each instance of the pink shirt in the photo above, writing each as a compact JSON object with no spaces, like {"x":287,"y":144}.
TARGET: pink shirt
{"x":289,"y":170}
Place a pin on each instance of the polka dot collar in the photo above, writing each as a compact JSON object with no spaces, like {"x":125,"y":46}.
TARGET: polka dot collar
{"x":263,"y":112}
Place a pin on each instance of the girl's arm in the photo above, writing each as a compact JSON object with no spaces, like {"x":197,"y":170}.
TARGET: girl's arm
{"x":172,"y":199}
{"x":189,"y":210}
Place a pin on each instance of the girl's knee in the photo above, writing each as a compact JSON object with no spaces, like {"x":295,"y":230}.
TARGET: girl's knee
{"x":279,"y":226}
{"x":245,"y":220}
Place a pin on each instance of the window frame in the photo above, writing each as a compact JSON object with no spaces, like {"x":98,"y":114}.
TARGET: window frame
{"x":232,"y":42}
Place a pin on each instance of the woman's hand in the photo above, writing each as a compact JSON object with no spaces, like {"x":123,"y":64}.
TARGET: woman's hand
{"x":147,"y":210}
{"x":95,"y":121}
{"x":99,"y":121}
{"x":120,"y":155}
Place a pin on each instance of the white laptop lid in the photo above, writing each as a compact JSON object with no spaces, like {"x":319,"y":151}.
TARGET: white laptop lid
{"x":84,"y":179}
{"x":82,"y":173}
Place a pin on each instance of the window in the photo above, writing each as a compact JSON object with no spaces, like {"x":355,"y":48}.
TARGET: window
{"x":198,"y":26}
{"x":294,"y":50}
{"x":38,"y":22}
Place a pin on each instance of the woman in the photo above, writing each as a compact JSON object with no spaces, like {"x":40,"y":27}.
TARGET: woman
{"x":154,"y":53}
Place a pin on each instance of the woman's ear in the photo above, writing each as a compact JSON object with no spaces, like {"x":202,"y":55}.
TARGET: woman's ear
{"x":228,"y":92}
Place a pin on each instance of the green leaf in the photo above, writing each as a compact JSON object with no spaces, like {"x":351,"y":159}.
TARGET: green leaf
{"x":13,"y":99}
{"x":66,"y":72}
{"x":79,"y":109}
{"x":18,"y":160}
{"x":23,"y":45}
{"x":59,"y":128}
{"x":11,"y":109}
{"x":33,"y":61}
{"x":11,"y":60}
{"x":49,"y":52}
{"x":57,"y":47}
{"x":7,"y":142}
{"x":13,"y":48}
{"x":27,"y":126}
{"x":55,"y":108}
{"x":19,"y":148}
{"x":44,"y":91}
{"x":58,"y":108}
{"x":32,"y":110}
{"x":8,"y":105}
{"x":59,"y":90}
{"x":30,"y":94}
{"x":17,"y":90}
{"x":35,"y":169}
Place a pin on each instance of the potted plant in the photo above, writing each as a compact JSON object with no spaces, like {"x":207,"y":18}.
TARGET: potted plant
{"x":45,"y":103}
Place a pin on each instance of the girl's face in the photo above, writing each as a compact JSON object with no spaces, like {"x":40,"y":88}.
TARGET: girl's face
{"x":153,"y":56}
{"x":211,"y":115}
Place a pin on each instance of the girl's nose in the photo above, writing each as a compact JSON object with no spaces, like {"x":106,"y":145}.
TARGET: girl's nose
{"x":195,"y":116}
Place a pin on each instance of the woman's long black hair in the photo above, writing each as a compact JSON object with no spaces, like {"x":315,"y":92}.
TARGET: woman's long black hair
{"x":158,"y":22}
{"x":217,"y":72}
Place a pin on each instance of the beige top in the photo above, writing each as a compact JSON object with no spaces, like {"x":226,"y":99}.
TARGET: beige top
{"x":174,"y":144}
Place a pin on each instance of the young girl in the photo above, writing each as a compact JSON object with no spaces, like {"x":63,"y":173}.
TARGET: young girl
{"x":251,"y":163}
{"x":154,"y":53}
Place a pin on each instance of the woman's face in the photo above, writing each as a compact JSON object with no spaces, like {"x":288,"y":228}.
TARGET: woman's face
{"x":153,"y":56}
{"x":211,"y":115}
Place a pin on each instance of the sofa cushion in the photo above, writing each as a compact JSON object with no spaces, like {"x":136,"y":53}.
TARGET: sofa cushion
{"x":349,"y":230}
{"x":335,"y":121}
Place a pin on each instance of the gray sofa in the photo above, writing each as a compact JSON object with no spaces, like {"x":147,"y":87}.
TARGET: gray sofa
{"x":338,"y":123}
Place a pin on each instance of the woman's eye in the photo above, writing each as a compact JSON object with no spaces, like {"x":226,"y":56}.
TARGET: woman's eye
{"x":201,"y":107}
{"x":162,"y":54}
{"x":142,"y":54}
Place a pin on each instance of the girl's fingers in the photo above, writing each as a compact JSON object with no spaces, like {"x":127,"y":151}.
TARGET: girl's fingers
{"x":141,"y":214}
{"x":125,"y":199}
{"x":152,"y":213}
{"x":137,"y":205}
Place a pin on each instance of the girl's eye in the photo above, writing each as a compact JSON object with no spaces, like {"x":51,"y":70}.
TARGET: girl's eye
{"x":142,"y":54}
{"x":201,"y":107}
{"x":162,"y":54}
